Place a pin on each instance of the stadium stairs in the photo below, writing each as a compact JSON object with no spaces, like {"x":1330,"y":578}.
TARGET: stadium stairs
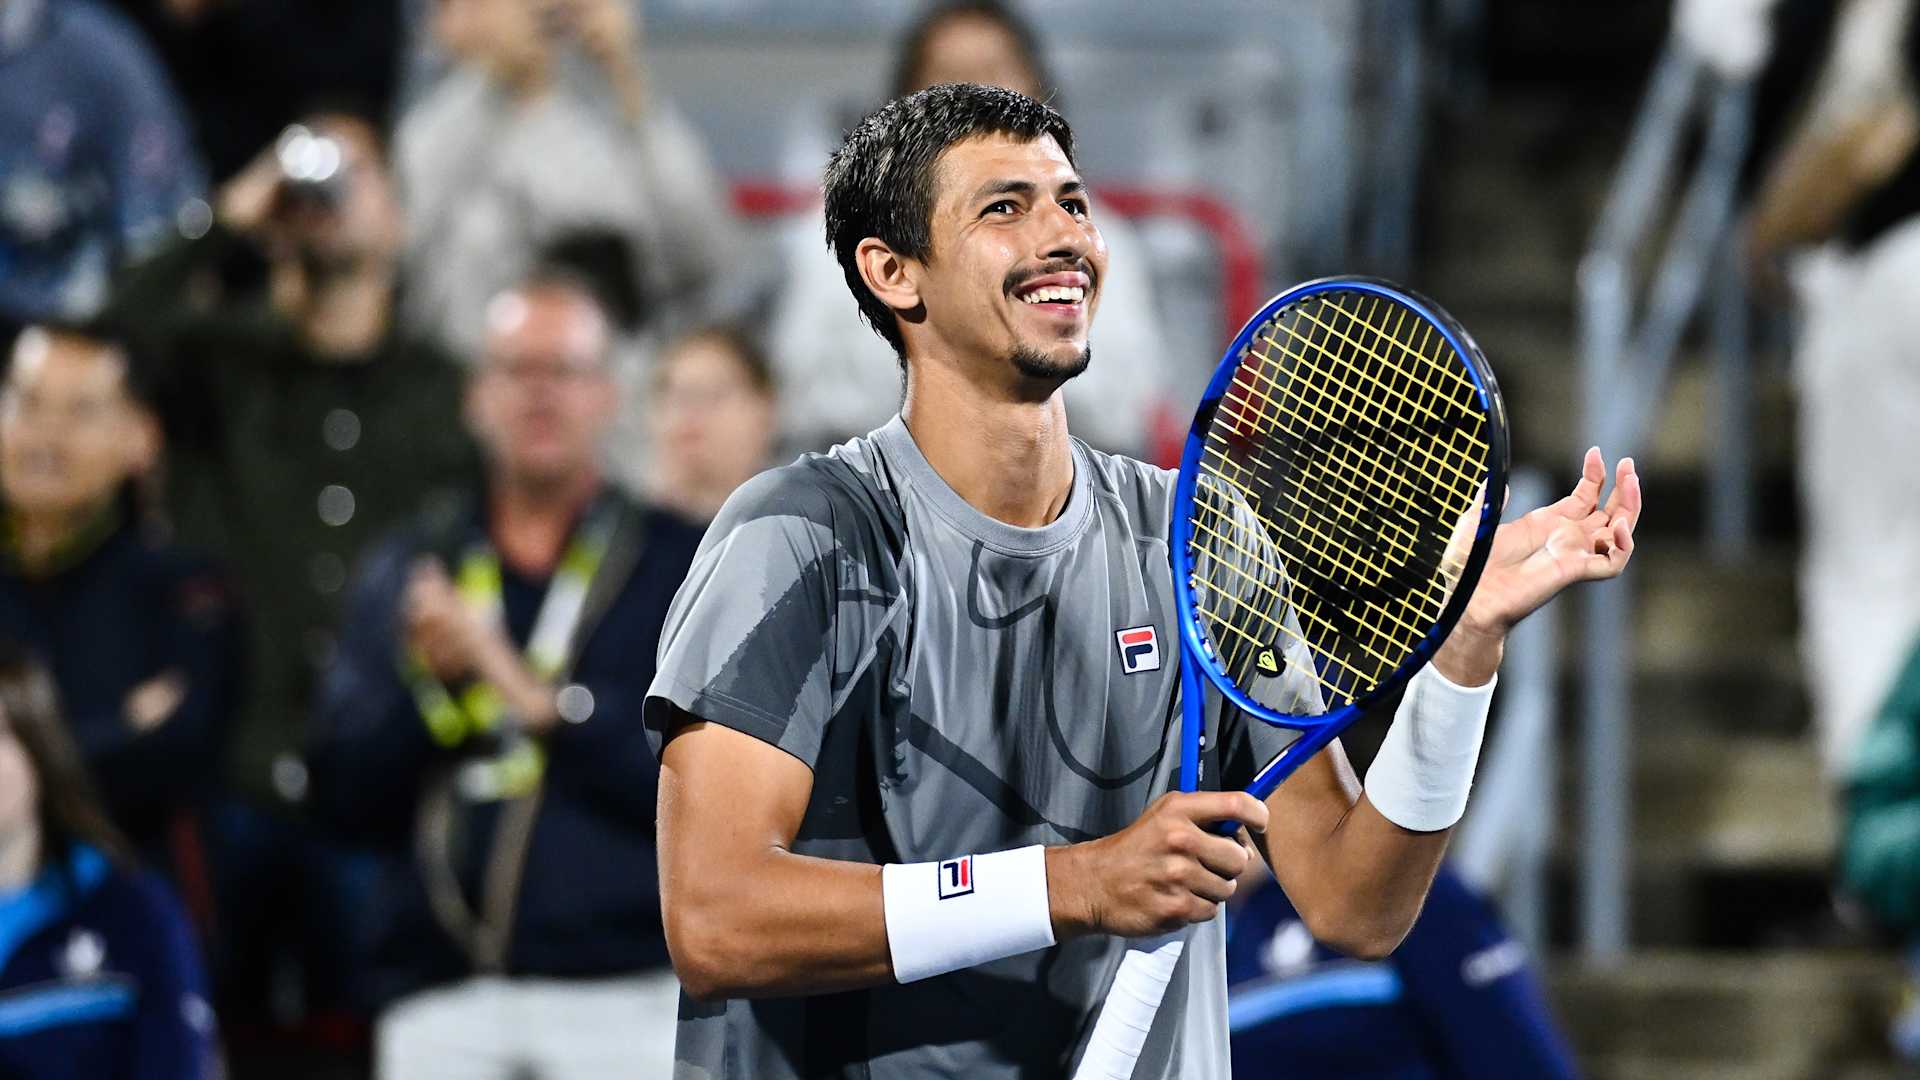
{"x":1744,"y":966}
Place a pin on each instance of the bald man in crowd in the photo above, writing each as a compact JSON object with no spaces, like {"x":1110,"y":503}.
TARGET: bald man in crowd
{"x":483,"y":721}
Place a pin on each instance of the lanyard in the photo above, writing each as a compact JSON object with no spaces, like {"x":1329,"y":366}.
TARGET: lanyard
{"x":517,"y":768}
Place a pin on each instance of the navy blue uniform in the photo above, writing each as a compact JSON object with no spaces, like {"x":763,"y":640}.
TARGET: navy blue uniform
{"x":99,"y":978}
{"x":114,"y":611}
{"x":1456,"y":999}
{"x":588,"y":902}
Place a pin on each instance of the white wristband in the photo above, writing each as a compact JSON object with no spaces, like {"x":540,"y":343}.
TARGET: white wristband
{"x":1419,"y":780}
{"x":953,"y":914}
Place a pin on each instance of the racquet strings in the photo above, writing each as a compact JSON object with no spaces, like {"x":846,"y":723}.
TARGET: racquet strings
{"x":1336,"y":499}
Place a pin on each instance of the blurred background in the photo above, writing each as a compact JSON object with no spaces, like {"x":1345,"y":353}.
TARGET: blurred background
{"x":342,"y":334}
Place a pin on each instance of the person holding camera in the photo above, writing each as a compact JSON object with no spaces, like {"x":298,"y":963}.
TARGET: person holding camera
{"x":302,"y":421}
{"x":546,"y":125}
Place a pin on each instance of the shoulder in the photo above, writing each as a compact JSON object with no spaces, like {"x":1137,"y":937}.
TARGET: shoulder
{"x":108,"y":45}
{"x":99,"y":27}
{"x":841,"y":494}
{"x":1141,"y":493}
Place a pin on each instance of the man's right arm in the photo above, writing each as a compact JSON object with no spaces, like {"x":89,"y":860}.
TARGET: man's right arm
{"x":747,"y":917}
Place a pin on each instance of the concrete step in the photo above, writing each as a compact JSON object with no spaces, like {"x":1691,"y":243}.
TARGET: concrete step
{"x":1727,"y":803}
{"x":1696,"y":617}
{"x":1799,"y":1013}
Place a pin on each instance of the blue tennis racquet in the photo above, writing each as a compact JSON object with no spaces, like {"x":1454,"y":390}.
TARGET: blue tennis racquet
{"x":1337,"y":499}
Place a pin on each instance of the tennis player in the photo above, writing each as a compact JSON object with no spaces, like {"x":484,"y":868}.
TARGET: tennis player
{"x":915,"y":697}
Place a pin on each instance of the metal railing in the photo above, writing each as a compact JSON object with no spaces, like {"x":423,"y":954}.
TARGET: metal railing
{"x":1627,"y":356}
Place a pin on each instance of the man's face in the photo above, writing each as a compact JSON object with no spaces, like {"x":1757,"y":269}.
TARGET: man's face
{"x":544,"y":398}
{"x":974,"y":49}
{"x":709,"y":417}
{"x":1017,"y":262}
{"x":69,"y":433}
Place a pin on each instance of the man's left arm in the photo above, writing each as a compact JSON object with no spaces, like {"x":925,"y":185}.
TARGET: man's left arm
{"x":1357,"y":860}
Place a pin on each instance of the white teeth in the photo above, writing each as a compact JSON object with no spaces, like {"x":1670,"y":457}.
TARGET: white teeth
{"x":1071,"y":294}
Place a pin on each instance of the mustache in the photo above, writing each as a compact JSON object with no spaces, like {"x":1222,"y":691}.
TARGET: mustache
{"x":1017,"y":278}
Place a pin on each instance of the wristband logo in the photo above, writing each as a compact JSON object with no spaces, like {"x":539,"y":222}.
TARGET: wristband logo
{"x":956,"y":877}
{"x":1139,"y":649}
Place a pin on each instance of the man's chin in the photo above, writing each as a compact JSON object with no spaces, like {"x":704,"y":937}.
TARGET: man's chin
{"x":1056,"y":365}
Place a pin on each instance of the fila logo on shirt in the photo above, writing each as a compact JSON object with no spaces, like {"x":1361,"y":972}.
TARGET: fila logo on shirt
{"x":1139,"y":649}
{"x":956,"y":877}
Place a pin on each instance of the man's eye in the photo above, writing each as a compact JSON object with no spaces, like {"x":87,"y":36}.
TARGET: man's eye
{"x":1004,"y":206}
{"x":1075,"y":207}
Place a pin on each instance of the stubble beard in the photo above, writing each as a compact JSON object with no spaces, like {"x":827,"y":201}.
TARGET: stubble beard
{"x":1035,"y":364}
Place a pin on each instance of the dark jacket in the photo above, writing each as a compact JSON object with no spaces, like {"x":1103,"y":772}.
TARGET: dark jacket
{"x":99,"y":977}
{"x":587,"y":902}
{"x":285,"y":464}
{"x":115,"y":611}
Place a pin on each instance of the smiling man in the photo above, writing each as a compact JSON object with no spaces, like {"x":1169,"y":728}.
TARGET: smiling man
{"x":916,"y":693}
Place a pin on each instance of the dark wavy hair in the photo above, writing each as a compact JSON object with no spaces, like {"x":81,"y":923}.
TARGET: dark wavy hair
{"x":880,"y":182}
{"x":69,"y":811}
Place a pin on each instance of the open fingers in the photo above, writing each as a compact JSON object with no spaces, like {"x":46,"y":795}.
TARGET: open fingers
{"x":1625,"y":499}
{"x":1585,"y":497}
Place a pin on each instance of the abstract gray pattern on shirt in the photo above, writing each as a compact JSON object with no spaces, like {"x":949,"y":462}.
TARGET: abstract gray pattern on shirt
{"x":957,"y":685}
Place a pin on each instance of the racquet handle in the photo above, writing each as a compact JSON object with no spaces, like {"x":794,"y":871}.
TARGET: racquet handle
{"x":1127,"y":1015}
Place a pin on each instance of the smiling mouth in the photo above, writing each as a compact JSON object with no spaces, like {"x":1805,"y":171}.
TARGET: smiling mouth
{"x":1054,"y":294}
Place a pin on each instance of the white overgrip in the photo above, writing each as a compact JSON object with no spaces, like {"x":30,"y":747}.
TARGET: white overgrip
{"x":1127,"y":1015}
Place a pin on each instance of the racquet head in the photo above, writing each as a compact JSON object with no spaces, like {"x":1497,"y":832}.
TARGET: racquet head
{"x":1336,"y":501}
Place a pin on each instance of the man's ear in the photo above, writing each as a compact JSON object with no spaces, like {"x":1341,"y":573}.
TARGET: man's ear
{"x":887,"y":274}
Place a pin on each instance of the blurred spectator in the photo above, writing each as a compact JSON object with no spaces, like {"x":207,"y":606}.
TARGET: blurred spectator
{"x":1842,"y":197}
{"x":248,"y":69}
{"x":713,"y":413}
{"x":546,"y":125}
{"x":99,"y":977}
{"x":1880,"y":845}
{"x":1456,"y":999}
{"x":94,"y":156}
{"x":139,"y":636}
{"x":1880,"y":835}
{"x":835,"y":370}
{"x":484,"y":717}
{"x":302,"y":423}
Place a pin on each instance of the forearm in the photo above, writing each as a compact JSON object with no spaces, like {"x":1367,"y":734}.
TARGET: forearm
{"x":774,"y":925}
{"x":815,"y":926}
{"x":1368,"y":881}
{"x":1370,"y":857}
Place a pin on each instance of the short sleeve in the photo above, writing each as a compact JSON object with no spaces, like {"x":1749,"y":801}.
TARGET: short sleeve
{"x":753,"y":637}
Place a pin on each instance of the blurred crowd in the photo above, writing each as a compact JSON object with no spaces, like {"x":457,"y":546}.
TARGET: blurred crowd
{"x":355,"y":433}
{"x":369,"y":370}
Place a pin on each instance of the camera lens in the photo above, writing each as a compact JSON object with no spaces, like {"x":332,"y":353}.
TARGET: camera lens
{"x":312,"y":166}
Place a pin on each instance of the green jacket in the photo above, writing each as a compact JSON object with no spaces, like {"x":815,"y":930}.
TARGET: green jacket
{"x":1880,"y":847}
{"x":286,"y":464}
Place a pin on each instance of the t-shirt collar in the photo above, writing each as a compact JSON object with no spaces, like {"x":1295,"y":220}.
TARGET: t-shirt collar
{"x":896,"y":442}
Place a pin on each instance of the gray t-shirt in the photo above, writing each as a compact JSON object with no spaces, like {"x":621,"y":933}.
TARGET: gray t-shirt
{"x":958,"y":685}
